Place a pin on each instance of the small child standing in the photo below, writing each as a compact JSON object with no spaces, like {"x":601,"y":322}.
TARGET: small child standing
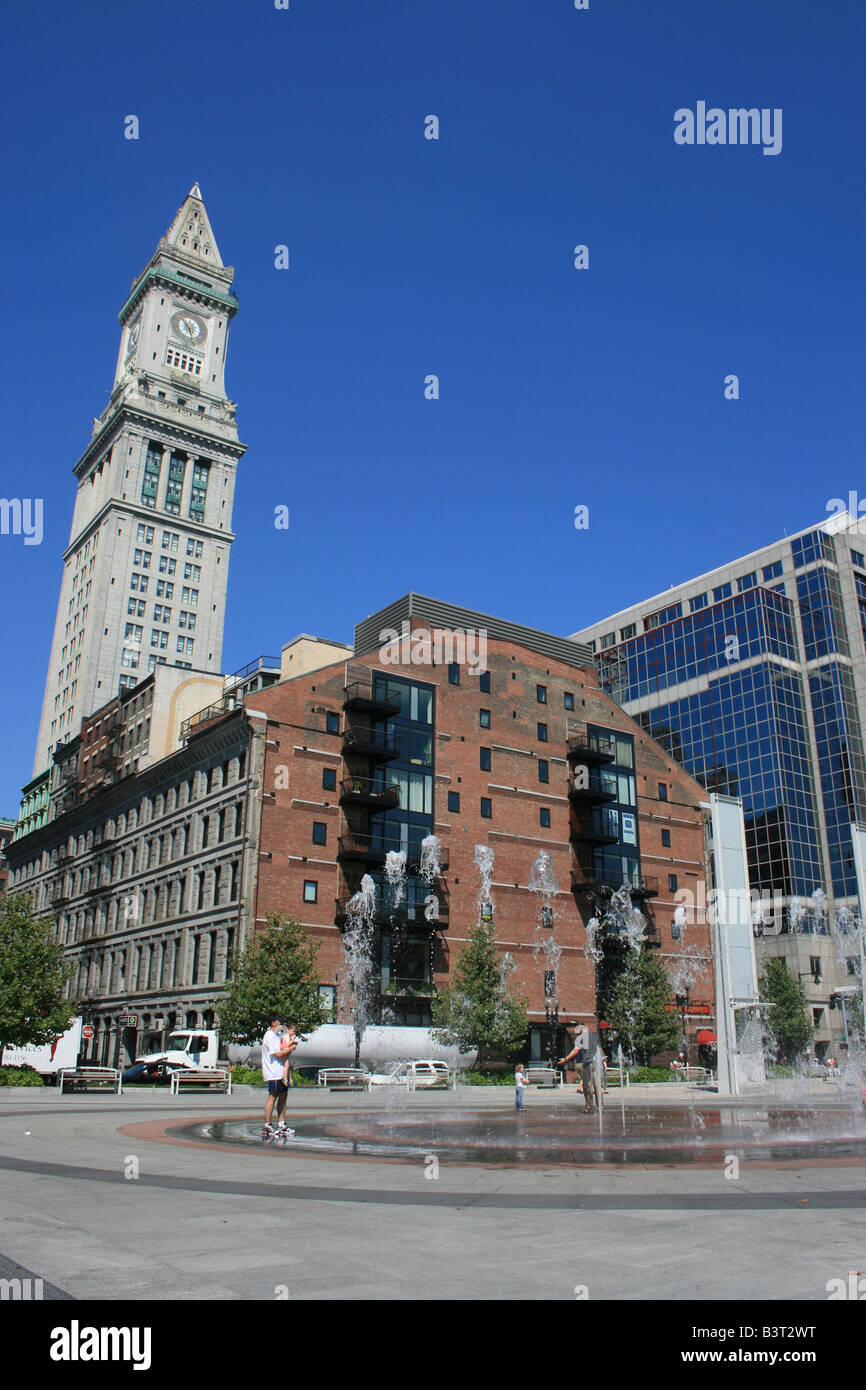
{"x":519,"y":1083}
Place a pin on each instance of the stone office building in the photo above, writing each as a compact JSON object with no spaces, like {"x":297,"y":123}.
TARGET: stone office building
{"x":147,"y":860}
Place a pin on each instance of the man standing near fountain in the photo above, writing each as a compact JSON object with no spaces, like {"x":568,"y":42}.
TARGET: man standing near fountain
{"x":586,"y":1047}
{"x":276,"y":1051}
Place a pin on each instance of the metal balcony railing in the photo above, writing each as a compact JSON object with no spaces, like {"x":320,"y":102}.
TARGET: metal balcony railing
{"x":375,"y":847}
{"x":364,"y":791}
{"x":370,"y":743}
{"x":362,"y":695}
{"x":587,"y":791}
{"x":589,"y":747}
{"x":600,"y":828}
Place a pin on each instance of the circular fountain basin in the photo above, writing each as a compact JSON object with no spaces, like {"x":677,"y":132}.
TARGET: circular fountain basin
{"x":565,"y":1135}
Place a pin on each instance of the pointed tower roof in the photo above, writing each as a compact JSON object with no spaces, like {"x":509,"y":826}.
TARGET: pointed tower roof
{"x":191,"y":233}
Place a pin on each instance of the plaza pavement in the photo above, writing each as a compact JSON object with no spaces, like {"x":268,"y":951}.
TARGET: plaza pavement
{"x":212,"y":1222}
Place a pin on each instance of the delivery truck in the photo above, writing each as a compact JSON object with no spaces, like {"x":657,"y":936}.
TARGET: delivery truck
{"x":48,"y":1058}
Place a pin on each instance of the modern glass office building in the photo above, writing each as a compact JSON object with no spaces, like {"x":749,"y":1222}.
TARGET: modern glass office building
{"x":754,"y":677}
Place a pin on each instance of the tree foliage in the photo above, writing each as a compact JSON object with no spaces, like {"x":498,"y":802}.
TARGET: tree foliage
{"x":478,"y":1010}
{"x":636,"y":1008}
{"x":788,"y":1020}
{"x":32,"y":977}
{"x":275,"y":973}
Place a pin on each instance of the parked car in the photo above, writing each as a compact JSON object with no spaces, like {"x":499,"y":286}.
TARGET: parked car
{"x":416,"y":1075}
{"x":149,"y":1073}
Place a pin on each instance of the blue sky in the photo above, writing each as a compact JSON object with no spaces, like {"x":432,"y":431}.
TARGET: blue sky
{"x":558,"y":387}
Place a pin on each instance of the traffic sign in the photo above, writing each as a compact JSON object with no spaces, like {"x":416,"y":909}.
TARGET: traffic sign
{"x":87,"y":1032}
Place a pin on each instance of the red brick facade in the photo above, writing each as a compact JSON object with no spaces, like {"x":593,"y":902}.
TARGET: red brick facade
{"x":299,"y":747}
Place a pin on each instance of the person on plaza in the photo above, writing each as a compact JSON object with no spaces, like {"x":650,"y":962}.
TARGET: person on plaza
{"x":519,"y":1083}
{"x":275,"y":1053}
{"x":585,"y":1049}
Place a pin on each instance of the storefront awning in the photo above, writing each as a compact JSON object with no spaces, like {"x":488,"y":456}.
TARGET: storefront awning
{"x":704,"y":1035}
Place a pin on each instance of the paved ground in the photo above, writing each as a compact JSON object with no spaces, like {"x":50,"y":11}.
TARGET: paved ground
{"x":212,"y":1222}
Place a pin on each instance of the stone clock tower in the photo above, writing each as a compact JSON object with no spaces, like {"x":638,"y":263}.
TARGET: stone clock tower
{"x":145,"y":572}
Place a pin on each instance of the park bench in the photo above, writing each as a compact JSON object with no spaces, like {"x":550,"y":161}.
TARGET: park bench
{"x":344,"y":1078}
{"x":698,"y":1076}
{"x":187,"y":1078}
{"x":543,"y":1076}
{"x":91,"y":1079}
{"x":611,"y":1077}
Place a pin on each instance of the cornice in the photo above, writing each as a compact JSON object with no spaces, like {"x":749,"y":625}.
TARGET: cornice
{"x":125,"y":411}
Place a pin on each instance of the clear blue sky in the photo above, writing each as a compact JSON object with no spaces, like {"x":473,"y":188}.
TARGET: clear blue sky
{"x":558,"y":387}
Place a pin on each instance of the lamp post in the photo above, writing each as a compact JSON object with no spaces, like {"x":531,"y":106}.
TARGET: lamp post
{"x":551,"y":1012}
{"x":683,"y":1005}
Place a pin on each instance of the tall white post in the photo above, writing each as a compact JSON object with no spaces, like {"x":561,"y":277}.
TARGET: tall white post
{"x":858,"y":841}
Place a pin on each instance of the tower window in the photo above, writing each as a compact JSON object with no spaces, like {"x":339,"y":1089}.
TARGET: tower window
{"x":185,"y":361}
{"x":200,"y":474}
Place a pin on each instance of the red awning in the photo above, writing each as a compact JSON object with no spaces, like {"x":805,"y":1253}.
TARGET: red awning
{"x":704,"y":1035}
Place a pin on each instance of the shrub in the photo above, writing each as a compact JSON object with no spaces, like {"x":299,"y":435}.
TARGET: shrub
{"x":486,"y":1078}
{"x":638,"y":1074}
{"x":20,"y":1076}
{"x":252,"y":1076}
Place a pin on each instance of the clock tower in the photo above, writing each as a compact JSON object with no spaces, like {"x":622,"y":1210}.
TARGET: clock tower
{"x":145,"y":572}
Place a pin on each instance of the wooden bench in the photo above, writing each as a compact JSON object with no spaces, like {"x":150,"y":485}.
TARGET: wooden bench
{"x":91,"y":1079}
{"x":344,"y":1078}
{"x":186,"y":1078}
{"x":544,"y":1076}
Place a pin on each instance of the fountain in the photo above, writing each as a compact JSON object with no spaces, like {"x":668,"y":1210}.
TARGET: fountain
{"x":357,"y":945}
{"x":484,"y":859}
{"x":593,"y":949}
{"x":395,"y":874}
{"x":542,"y":882}
{"x":429,"y":867}
{"x":624,"y":919}
{"x":772,"y":1126}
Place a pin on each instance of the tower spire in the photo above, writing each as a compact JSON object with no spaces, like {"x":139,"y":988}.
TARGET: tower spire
{"x":191,"y":233}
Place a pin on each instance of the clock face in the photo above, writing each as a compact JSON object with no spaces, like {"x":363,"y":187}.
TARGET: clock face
{"x":132,"y":340}
{"x":189,"y":327}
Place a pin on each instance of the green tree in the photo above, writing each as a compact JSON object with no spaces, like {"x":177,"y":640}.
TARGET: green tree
{"x":32,"y":977}
{"x":479,"y":1010}
{"x":276,"y":972}
{"x":636,"y":1008}
{"x":788,"y":1020}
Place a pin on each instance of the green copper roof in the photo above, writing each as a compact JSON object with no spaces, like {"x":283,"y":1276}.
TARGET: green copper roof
{"x":186,"y":282}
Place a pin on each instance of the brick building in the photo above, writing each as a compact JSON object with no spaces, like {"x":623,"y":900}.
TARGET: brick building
{"x":378,"y":752}
{"x":173,"y":832}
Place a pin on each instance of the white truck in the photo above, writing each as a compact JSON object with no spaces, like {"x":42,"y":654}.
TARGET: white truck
{"x":48,"y":1058}
{"x":196,"y":1048}
{"x":332,"y":1045}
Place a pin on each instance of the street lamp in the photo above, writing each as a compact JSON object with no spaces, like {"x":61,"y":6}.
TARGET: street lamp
{"x":683,"y":1005}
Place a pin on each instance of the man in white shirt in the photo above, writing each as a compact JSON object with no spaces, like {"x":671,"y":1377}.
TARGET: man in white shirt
{"x":275,"y":1051}
{"x":586,"y":1048}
